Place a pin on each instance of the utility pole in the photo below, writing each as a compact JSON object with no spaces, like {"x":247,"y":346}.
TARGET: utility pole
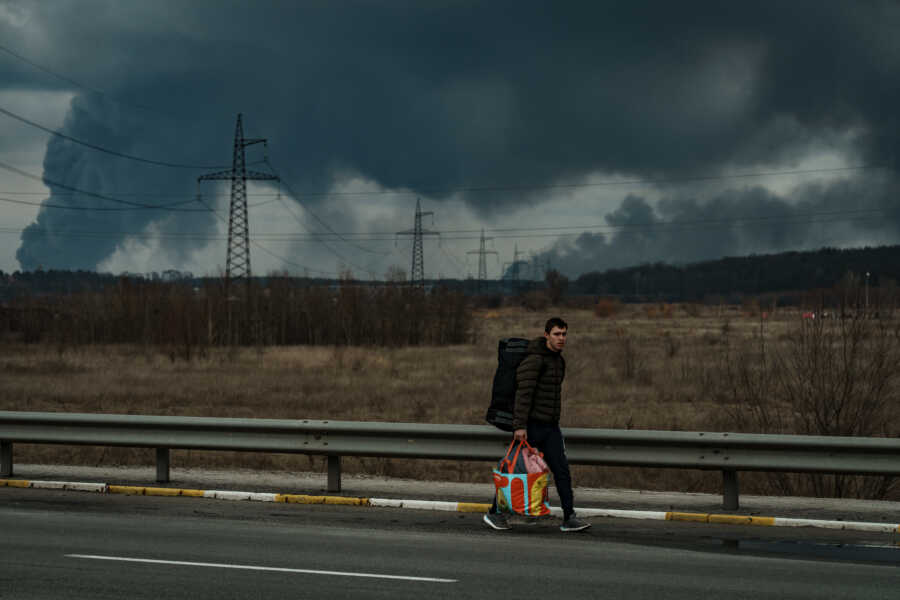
{"x":417,"y":274}
{"x":867,"y":294}
{"x":237,"y":260}
{"x":482,"y":260}
{"x":515,"y":269}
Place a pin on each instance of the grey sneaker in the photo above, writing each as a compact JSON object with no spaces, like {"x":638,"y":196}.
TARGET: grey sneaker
{"x":573,"y":524}
{"x":496,"y":520}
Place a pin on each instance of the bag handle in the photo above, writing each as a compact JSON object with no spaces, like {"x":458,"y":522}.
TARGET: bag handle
{"x":509,"y":463}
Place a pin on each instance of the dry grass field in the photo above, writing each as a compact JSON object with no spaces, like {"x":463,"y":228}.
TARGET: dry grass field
{"x":644,"y":367}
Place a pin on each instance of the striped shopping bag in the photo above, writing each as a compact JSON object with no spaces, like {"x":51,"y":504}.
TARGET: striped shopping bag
{"x":520,"y":480}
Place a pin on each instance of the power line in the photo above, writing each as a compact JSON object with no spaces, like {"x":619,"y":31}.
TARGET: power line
{"x":47,"y":70}
{"x":459,"y":266}
{"x":862,"y":215}
{"x":142,"y":194}
{"x":666,"y":223}
{"x":317,"y":238}
{"x":516,"y":188}
{"x":444,"y":190}
{"x":314,"y":215}
{"x":149,"y":195}
{"x":264,"y":249}
{"x":83,"y":86}
{"x":300,"y":222}
{"x":50,"y":183}
{"x":87,"y":208}
{"x":587,"y":184}
{"x":106,"y":150}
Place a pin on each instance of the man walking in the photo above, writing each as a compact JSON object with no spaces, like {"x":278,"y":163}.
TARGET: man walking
{"x":536,"y":417}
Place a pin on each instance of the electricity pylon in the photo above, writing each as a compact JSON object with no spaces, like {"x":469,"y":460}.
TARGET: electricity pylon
{"x":536,"y":264}
{"x":482,"y":260}
{"x":515,"y":268}
{"x":417,"y":274}
{"x":237,"y":259}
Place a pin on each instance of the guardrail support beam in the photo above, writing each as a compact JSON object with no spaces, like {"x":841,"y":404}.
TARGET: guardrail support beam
{"x":334,"y":473}
{"x":162,"y":465}
{"x":6,"y":469}
{"x":730,"y":490}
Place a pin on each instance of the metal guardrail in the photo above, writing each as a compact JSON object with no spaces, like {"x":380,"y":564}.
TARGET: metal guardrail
{"x":729,"y":453}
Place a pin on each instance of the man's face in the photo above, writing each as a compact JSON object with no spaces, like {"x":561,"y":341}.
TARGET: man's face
{"x":556,"y":339}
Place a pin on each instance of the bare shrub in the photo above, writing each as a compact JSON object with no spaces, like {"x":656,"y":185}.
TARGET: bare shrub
{"x":692,"y":309}
{"x":557,"y":284}
{"x":672,"y":344}
{"x":631,"y":362}
{"x":607,"y":307}
{"x":834,"y":377}
{"x":750,"y":307}
{"x":182,"y":322}
{"x":535,"y":300}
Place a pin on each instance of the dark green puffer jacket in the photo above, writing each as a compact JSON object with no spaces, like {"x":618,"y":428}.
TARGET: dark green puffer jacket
{"x":539,"y":385}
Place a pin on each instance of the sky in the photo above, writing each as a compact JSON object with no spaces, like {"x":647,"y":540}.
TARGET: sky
{"x":582,"y":135}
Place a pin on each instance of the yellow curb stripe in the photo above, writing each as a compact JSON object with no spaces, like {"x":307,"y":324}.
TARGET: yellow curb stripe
{"x":730,"y":519}
{"x":464,"y":507}
{"x":299,"y":499}
{"x":720,"y":519}
{"x":472,"y":507}
{"x":343,"y":501}
{"x":130,"y":490}
{"x":16,"y":483}
{"x":158,"y":491}
{"x":689,"y":517}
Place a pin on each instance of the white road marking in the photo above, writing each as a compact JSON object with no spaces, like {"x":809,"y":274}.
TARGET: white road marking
{"x":256,"y":568}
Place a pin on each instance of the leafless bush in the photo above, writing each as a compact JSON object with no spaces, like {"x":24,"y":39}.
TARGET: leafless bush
{"x":182,"y":321}
{"x":672,"y":344}
{"x":631,"y":362}
{"x":833,"y":377}
{"x":607,"y":307}
{"x":536,"y":300}
{"x":692,"y":309}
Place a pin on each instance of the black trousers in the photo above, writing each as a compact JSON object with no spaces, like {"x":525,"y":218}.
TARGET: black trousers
{"x":548,"y":438}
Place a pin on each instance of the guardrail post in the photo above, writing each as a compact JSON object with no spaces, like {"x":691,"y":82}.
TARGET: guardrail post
{"x":162,"y":465}
{"x":6,"y":469}
{"x":730,"y":490}
{"x":334,"y":473}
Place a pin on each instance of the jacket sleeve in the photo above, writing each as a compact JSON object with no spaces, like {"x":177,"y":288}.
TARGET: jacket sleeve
{"x":526,"y":382}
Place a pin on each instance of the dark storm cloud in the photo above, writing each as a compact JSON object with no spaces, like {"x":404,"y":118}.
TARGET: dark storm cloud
{"x":438,"y":96}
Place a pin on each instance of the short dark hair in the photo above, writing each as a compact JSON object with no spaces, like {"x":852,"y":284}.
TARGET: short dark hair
{"x":555,"y":322}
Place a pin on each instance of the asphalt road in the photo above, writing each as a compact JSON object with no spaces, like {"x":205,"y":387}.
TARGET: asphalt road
{"x":81,"y":545}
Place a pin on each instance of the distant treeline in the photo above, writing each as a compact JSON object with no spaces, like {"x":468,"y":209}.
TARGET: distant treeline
{"x":789,"y":276}
{"x":185,"y":318}
{"x":729,"y":280}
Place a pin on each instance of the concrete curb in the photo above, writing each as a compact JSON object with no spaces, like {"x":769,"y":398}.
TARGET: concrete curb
{"x":464,"y":507}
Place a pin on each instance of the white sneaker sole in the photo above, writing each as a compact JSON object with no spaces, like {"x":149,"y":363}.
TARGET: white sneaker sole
{"x":571,"y":529}
{"x":491,"y":524}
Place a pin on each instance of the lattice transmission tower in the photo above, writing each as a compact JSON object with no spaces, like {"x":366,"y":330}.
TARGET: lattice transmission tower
{"x":516,"y":263}
{"x":237,"y":259}
{"x":482,"y":260}
{"x":417,"y":274}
